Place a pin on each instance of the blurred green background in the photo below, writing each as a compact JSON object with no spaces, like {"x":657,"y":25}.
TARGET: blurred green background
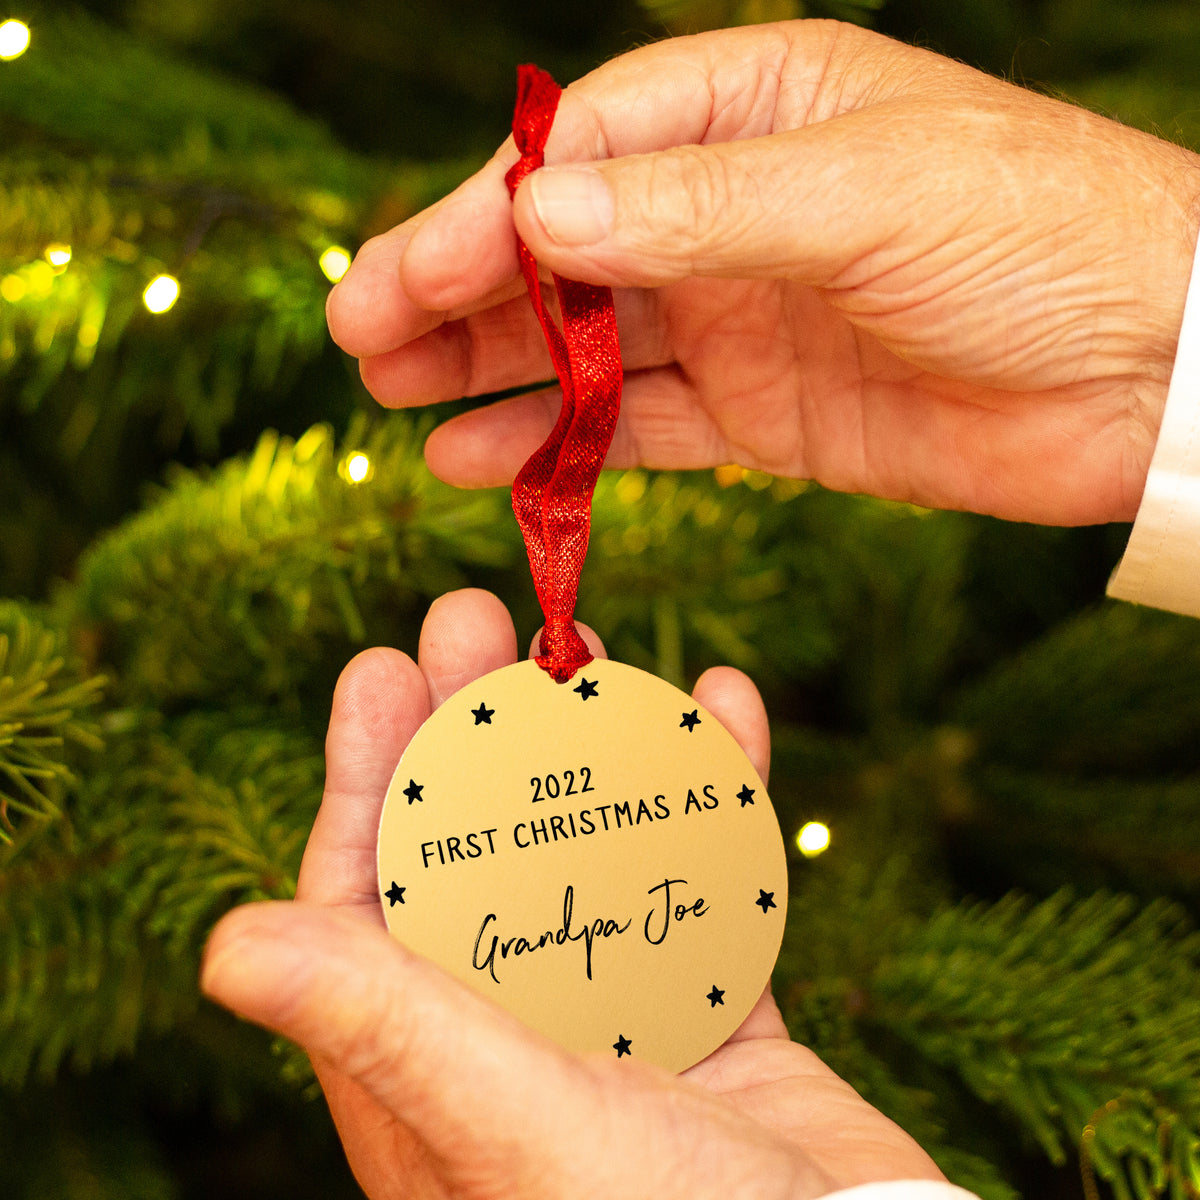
{"x":998,"y":947}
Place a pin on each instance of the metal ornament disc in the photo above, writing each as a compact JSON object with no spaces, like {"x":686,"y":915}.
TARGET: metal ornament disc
{"x":598,"y":857}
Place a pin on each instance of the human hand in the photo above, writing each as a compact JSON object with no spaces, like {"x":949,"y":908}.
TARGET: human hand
{"x":836,"y":257}
{"x":437,"y":1093}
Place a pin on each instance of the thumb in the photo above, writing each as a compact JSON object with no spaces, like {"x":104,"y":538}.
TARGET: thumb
{"x":502,"y":1110}
{"x":780,"y":206}
{"x":823,"y":205}
{"x":465,"y":1077}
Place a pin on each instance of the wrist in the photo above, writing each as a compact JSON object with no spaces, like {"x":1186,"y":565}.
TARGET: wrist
{"x":1158,"y":262}
{"x":1161,"y":564}
{"x":1171,"y":229}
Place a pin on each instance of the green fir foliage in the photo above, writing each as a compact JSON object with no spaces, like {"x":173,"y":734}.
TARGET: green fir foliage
{"x":1078,"y":1020}
{"x":45,"y":720}
{"x":266,"y":569}
{"x":104,"y":919}
{"x":999,"y":946}
{"x":690,"y":16}
{"x":143,"y":165}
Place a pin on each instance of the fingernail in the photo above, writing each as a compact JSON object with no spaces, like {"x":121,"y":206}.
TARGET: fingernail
{"x":575,"y":206}
{"x":239,"y":950}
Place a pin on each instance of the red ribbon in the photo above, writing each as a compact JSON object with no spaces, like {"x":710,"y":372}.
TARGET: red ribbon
{"x":552,"y":493}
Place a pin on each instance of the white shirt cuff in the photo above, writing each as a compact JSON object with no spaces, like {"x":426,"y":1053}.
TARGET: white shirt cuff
{"x":1161,"y":564}
{"x":903,"y":1189}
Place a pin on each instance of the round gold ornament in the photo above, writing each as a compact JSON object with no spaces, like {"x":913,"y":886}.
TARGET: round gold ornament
{"x":599,"y":857}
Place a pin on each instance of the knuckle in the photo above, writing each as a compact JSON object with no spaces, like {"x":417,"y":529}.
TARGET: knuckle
{"x":697,"y":185}
{"x":699,"y":197}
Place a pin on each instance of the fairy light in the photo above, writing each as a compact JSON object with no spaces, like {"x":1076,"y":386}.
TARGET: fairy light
{"x":58,"y":254}
{"x":14,"y":39}
{"x":13,"y":288}
{"x":334,"y":263}
{"x":161,"y":293}
{"x":813,"y":839}
{"x":356,"y":467}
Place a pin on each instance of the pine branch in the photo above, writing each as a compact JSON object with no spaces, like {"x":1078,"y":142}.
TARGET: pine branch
{"x":1077,"y":1019}
{"x":101,"y":928}
{"x":81,"y":982}
{"x":688,"y":16}
{"x":1136,"y":834}
{"x":139,"y":165}
{"x":42,"y":693}
{"x":88,"y":84}
{"x":238,"y":815}
{"x":253,"y":293}
{"x":850,"y":908}
{"x":684,"y":569}
{"x":275,"y":566}
{"x":1128,"y":676}
{"x":824,"y":1019}
{"x":780,"y":579}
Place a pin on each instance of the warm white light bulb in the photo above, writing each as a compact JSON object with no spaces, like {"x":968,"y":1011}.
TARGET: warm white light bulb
{"x":58,"y":254}
{"x":334,"y":263}
{"x":813,"y":839}
{"x":161,"y":293}
{"x":358,"y":467}
{"x":14,"y":39}
{"x":13,"y":289}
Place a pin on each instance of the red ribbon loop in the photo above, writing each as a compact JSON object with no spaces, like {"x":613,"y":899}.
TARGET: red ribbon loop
{"x":552,"y":493}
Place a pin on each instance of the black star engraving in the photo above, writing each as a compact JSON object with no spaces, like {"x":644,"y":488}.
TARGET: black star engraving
{"x":746,"y":795}
{"x":621,"y":1046}
{"x":765,"y":900}
{"x":716,"y":996}
{"x":482,"y":714}
{"x":586,"y":688}
{"x":413,"y":791}
{"x":395,"y":894}
{"x":690,"y":720}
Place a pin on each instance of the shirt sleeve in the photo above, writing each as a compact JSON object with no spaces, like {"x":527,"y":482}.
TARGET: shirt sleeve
{"x":904,"y":1189}
{"x":1161,"y":564}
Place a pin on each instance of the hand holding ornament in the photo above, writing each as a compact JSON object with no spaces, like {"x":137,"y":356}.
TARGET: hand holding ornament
{"x":835,"y":257}
{"x":437,"y":1093}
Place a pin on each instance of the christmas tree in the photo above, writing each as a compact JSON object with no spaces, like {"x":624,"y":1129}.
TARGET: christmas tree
{"x":989,"y":775}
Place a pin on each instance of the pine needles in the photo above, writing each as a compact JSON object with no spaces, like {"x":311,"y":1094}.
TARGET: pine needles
{"x":1079,"y":1019}
{"x":101,"y":927}
{"x":1076,"y":1021}
{"x":948,"y":693}
{"x":43,"y":719}
{"x":251,"y":576}
{"x":1071,"y":1021}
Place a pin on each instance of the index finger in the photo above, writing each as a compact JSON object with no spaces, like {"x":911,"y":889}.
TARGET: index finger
{"x":381,"y":700}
